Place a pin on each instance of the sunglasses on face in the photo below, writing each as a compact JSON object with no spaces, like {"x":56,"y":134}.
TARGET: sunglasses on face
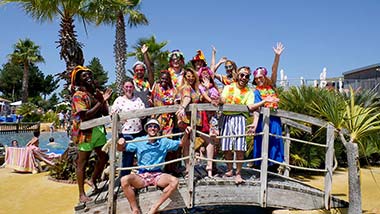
{"x":152,"y":126}
{"x":140,"y":70}
{"x":228,"y":67}
{"x":247,"y":76}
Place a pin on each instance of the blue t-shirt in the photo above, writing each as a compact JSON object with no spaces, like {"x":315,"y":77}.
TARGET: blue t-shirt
{"x":152,"y":153}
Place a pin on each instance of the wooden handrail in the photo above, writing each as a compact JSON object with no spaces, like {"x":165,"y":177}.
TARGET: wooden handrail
{"x":289,"y":118}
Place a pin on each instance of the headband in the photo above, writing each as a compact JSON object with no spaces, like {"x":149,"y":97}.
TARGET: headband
{"x":260,"y":70}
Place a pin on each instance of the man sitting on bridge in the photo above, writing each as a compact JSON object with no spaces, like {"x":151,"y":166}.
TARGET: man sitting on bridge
{"x":150,"y":152}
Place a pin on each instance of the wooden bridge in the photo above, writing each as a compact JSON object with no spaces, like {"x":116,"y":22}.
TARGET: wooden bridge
{"x":261,"y":188}
{"x":19,"y":127}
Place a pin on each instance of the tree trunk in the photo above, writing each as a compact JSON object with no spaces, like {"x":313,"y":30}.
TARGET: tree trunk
{"x":355,"y":199}
{"x":120,"y":50}
{"x":25,"y":80}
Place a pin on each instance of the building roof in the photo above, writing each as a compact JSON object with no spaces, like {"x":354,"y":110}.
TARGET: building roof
{"x":361,"y":69}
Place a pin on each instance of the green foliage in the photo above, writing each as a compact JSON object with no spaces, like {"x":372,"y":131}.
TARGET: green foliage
{"x":357,"y":112}
{"x":100,"y":74}
{"x":11,"y":84}
{"x":157,"y":57}
{"x":29,"y":112}
{"x":26,"y":52}
{"x":65,"y":168}
{"x":11,"y":81}
{"x":50,"y":117}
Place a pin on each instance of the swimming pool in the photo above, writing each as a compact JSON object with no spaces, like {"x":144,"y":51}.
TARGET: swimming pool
{"x":60,"y":137}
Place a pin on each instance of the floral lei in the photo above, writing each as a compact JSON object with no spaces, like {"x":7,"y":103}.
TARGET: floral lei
{"x":173,"y":76}
{"x":266,"y":91}
{"x":141,"y":84}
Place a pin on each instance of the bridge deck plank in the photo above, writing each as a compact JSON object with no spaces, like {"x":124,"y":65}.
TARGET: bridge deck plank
{"x":218,"y":190}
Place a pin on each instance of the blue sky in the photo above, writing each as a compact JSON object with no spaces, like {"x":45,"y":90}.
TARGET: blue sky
{"x":340,"y":35}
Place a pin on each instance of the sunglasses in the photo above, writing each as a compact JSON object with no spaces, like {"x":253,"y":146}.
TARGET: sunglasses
{"x":153,"y":126}
{"x":140,"y":70}
{"x":228,"y":67}
{"x":247,"y":76}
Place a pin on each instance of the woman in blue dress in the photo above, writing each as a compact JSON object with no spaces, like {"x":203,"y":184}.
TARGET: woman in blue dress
{"x":265,"y":90}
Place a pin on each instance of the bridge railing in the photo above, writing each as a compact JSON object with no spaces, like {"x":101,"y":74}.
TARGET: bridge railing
{"x":8,"y":128}
{"x":288,"y":119}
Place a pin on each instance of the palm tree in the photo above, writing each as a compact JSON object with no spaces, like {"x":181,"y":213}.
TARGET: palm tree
{"x":114,"y":14}
{"x":357,"y":122}
{"x":25,"y":53}
{"x":157,"y":57}
{"x":47,"y":10}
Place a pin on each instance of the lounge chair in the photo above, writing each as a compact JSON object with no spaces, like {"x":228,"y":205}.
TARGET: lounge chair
{"x":26,"y":159}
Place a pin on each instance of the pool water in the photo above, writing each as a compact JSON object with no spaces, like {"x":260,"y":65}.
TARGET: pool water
{"x":22,"y":138}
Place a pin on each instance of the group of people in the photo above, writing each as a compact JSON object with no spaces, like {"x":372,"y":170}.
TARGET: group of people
{"x":182,"y":86}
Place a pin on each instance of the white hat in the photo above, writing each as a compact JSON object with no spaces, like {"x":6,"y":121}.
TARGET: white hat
{"x":138,"y":63}
{"x":152,"y":121}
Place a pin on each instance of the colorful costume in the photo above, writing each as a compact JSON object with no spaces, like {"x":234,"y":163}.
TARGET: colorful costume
{"x":276,"y":146}
{"x":195,"y":96}
{"x":83,"y":101}
{"x":176,"y":77}
{"x":234,"y":123}
{"x":162,"y":97}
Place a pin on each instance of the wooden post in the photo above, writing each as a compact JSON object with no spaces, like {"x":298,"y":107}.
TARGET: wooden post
{"x":190,"y":182}
{"x":264,"y":162}
{"x":287,"y":150}
{"x":329,"y":157}
{"x":111,"y":204}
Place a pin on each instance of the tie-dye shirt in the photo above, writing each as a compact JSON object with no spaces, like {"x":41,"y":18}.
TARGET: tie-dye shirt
{"x":234,"y":95}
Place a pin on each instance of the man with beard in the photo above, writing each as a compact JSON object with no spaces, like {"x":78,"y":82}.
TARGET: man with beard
{"x":143,"y":86}
{"x":88,"y":103}
{"x":234,"y":122}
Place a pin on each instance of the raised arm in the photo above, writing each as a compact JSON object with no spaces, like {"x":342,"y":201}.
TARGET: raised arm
{"x":277,"y":52}
{"x":214,"y":67}
{"x":149,"y":64}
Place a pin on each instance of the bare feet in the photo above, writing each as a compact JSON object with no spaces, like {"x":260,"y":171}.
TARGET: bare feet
{"x":229,"y":174}
{"x":84,"y":199}
{"x":239,"y":179}
{"x":153,"y":210}
{"x":90,"y":183}
{"x":136,"y":211}
{"x":209,"y":171}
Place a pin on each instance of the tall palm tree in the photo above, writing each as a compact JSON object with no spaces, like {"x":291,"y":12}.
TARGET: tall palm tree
{"x":66,"y":10}
{"x":114,"y":14}
{"x":25,"y":53}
